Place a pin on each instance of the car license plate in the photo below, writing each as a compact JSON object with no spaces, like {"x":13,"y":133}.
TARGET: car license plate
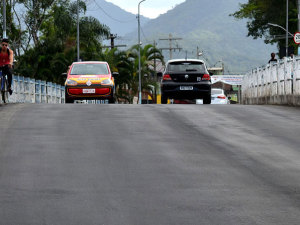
{"x":88,"y":91}
{"x":186,"y":88}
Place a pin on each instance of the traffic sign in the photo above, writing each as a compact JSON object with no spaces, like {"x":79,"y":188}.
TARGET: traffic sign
{"x":297,"y":38}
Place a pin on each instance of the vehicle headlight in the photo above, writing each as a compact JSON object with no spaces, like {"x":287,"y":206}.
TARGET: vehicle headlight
{"x":71,"y":82}
{"x":106,"y":82}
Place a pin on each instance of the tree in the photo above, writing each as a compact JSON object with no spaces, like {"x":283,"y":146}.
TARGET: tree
{"x":126,"y":64}
{"x":55,"y":49}
{"x":13,"y":22}
{"x":148,"y":54}
{"x":261,"y":12}
{"x":36,"y":14}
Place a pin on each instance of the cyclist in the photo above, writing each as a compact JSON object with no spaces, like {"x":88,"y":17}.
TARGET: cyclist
{"x":6,"y":62}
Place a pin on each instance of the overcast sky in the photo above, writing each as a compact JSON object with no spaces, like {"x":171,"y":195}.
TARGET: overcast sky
{"x":149,"y":8}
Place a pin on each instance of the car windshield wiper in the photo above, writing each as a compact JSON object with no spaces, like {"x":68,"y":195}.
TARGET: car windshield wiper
{"x":191,"y":70}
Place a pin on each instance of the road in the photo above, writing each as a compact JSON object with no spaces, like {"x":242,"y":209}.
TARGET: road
{"x":149,"y":164}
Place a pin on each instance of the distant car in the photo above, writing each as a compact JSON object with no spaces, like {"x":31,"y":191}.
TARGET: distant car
{"x":218,"y":96}
{"x":186,"y":79}
{"x":89,"y":80}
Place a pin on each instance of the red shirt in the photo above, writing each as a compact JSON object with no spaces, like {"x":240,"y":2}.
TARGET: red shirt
{"x":4,"y":59}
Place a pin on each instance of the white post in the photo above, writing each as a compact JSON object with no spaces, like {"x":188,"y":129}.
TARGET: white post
{"x":287,"y":30}
{"x":139,"y":46}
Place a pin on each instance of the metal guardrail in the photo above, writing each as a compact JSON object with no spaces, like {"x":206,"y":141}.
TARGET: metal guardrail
{"x":28,"y":90}
{"x":276,"y":83}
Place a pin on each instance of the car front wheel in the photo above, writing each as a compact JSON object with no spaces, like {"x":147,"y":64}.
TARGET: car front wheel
{"x":111,"y":101}
{"x":67,"y":99}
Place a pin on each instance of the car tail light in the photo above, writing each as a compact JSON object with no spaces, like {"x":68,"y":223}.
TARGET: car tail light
{"x":222,"y":96}
{"x":206,"y":77}
{"x":167,"y":77}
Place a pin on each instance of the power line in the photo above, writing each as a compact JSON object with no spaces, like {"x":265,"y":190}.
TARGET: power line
{"x":144,"y":35}
{"x":120,"y":21}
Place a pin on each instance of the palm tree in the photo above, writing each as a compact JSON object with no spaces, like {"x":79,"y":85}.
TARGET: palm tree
{"x":126,"y":64}
{"x":149,"y":53}
{"x":121,"y":63}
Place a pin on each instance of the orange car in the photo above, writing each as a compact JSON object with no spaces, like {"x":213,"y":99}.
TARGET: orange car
{"x":89,"y":80}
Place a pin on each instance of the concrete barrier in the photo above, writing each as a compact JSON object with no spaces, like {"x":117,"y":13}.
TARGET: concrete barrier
{"x":28,"y":90}
{"x":276,"y":83}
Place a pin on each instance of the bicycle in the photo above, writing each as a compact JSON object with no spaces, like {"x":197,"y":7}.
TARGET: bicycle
{"x":4,"y":85}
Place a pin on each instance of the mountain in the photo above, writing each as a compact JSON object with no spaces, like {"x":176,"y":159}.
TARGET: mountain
{"x":119,"y":20}
{"x":207,"y":24}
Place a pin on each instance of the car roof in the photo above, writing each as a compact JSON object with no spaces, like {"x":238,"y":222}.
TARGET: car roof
{"x":189,"y":60}
{"x":218,"y":89}
{"x":88,"y":62}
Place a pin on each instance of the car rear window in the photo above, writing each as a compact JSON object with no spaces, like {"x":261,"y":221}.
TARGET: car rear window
{"x":89,"y":69}
{"x":216,"y":91}
{"x":186,"y":66}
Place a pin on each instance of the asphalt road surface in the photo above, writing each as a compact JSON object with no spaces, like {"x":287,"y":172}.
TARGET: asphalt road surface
{"x":149,"y":164}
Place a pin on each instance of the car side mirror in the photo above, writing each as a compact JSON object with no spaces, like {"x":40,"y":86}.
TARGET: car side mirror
{"x":115,"y":74}
{"x":64,"y":74}
{"x":159,"y":74}
{"x":229,"y":98}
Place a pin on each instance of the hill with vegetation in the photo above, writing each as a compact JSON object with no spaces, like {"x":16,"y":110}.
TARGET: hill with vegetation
{"x":208,"y":25}
{"x":118,"y":20}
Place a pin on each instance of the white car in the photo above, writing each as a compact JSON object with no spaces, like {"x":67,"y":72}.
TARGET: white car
{"x":218,"y":96}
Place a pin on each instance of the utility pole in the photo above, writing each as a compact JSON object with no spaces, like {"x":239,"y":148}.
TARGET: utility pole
{"x":155,"y":74}
{"x":4,"y":18}
{"x":223,"y":67}
{"x":171,"y":48}
{"x":112,"y":38}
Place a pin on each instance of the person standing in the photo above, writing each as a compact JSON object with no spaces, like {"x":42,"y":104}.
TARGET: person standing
{"x":6,"y":62}
{"x":273,"y":59}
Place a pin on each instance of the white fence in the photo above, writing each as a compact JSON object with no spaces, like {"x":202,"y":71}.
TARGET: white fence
{"x":277,"y":83}
{"x":26,"y":90}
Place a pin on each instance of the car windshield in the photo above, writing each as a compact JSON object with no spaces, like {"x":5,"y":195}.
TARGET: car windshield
{"x":89,"y":69}
{"x":187,"y":66}
{"x":216,"y":91}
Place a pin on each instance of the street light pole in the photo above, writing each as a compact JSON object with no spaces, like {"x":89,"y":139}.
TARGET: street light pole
{"x":298,"y":5}
{"x":78,"y":50}
{"x":139,"y":40}
{"x":276,"y":25}
{"x":4,"y":18}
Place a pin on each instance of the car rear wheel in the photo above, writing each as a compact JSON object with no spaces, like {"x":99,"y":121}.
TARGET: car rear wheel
{"x":207,"y":99}
{"x":164,"y":99}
